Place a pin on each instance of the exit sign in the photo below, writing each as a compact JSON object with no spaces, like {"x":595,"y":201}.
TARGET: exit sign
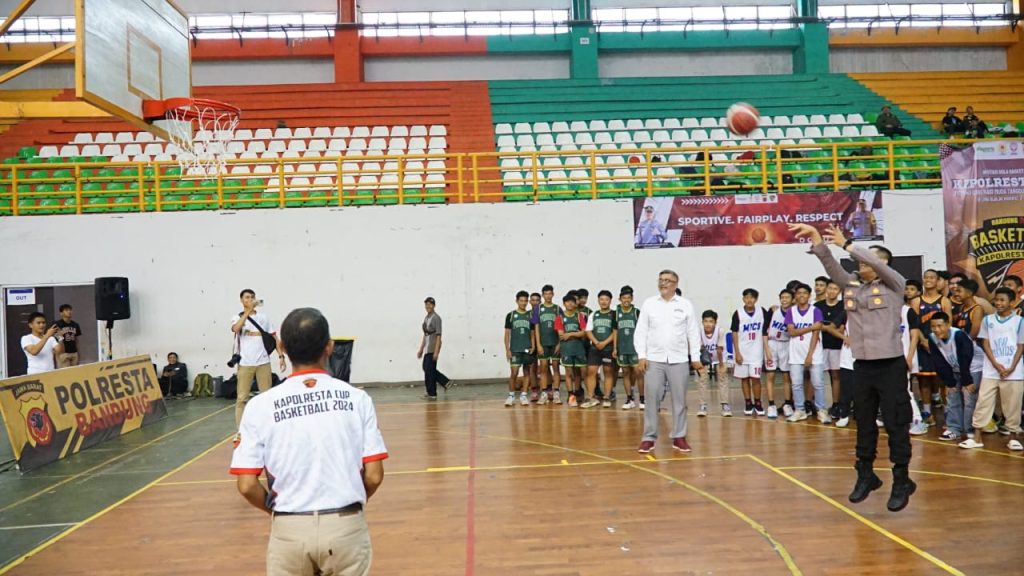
{"x":21,"y":296}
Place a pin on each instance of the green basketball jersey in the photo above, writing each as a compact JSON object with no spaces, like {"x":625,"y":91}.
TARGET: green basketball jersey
{"x":519,"y":323}
{"x":626,"y":326}
{"x":574,"y":346}
{"x":603,"y":324}
{"x":546,"y":316}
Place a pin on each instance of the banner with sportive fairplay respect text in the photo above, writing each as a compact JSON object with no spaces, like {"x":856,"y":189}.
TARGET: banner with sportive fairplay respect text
{"x":54,"y":414}
{"x":983,"y":199}
{"x":749,"y":219}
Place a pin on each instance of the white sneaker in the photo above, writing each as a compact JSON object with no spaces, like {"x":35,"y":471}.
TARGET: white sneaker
{"x":787,"y":410}
{"x":726,"y":410}
{"x":703,"y":410}
{"x":971,"y":443}
{"x":607,"y":403}
{"x":542,"y":400}
{"x":629,"y":405}
{"x":1015,"y":445}
{"x":773,"y":412}
{"x":879,"y":423}
{"x":641,"y":405}
{"x":524,"y":399}
{"x":558,"y":399}
{"x":823,"y":416}
{"x":797,"y":416}
{"x":510,"y":400}
{"x":590,"y":403}
{"x":843,"y":422}
{"x":919,"y":429}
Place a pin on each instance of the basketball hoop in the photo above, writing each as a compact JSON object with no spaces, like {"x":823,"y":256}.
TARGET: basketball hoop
{"x":200,"y":128}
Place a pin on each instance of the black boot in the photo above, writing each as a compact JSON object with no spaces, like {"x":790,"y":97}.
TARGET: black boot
{"x":867,"y":482}
{"x":902,"y":488}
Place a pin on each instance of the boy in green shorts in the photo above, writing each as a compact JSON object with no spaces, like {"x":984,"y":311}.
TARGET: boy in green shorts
{"x":571,"y":326}
{"x":519,"y":349}
{"x":601,"y":334}
{"x":544,"y":317}
{"x":535,"y":392}
{"x":626,"y":316}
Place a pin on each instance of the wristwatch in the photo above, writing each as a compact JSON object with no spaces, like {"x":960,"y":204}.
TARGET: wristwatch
{"x":847,"y":244}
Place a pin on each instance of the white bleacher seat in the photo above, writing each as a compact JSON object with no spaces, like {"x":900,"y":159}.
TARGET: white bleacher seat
{"x":851,"y":131}
{"x":642,"y":137}
{"x":257,"y":146}
{"x":579,"y":126}
{"x":323,"y":183}
{"x":435,"y":165}
{"x":766,"y":121}
{"x":360,"y":132}
{"x":543,"y":139}
{"x":263,"y":169}
{"x":304,"y":133}
{"x":282,"y":133}
{"x":411,"y":182}
{"x":551,"y":162}
{"x":831,"y":132}
{"x":379,"y":132}
{"x":419,"y":143}
{"x":597,"y":125}
{"x":755,"y":134}
{"x":243,"y":169}
{"x":781,"y":121}
{"x":588,"y":147}
{"x":806,"y":141}
{"x":586,"y":138}
{"x":82,"y":138}
{"x":854,"y":118}
{"x":613,"y":125}
{"x":541,"y":127}
{"x":372,"y":167}
{"x":298,"y":183}
{"x":699,"y":135}
{"x":438,"y":130}
{"x":414,"y":166}
{"x":400,"y":131}
{"x":112,"y":150}
{"x":774,"y":134}
{"x":144,"y":137}
{"x":818,"y":120}
{"x":94,"y":150}
{"x":277,"y":146}
{"x":327,"y":167}
{"x":377,"y":144}
{"x":680,"y":135}
{"x":311,"y":154}
{"x":671,"y":124}
{"x":124,"y":137}
{"x":397,"y":144}
{"x":563,"y":139}
{"x":794,"y":132}
{"x":248,"y":156}
{"x":709,"y":122}
{"x":263,"y":134}
{"x":234,"y":147}
{"x":438,"y":142}
{"x":648,"y":146}
{"x":350,"y":167}
{"x":520,"y":128}
{"x":748,"y":143}
{"x":662,"y":137}
{"x":787,"y":142}
{"x":622,"y":174}
{"x":691,"y":123}
{"x":869,"y":130}
{"x":557,"y":176}
{"x":51,"y":151}
{"x":603,"y":175}
{"x":634,"y":124}
{"x":530,"y":148}
{"x":121,"y":158}
{"x":836,"y":119}
{"x":652,"y":124}
{"x":66,"y":151}
{"x":103,"y":138}
{"x":524,"y":140}
{"x":526,"y":162}
{"x":317,"y":145}
{"x":357,"y":144}
{"x":579,"y":176}
{"x":271,"y":154}
{"x":545,"y":148}
{"x":559,"y":126}
{"x":719,"y":134}
{"x":504,"y":140}
{"x":435,"y":182}
{"x":421,"y":130}
{"x":623,"y":138}
{"x":609,"y":146}
{"x":615,"y":161}
{"x":145,"y":159}
{"x":296,"y":146}
{"x":322,"y":132}
{"x":799,"y":120}
{"x":812,"y":132}
{"x":574,"y":161}
{"x":336,"y":145}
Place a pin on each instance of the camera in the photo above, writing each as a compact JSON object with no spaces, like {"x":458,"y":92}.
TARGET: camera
{"x":235,"y":359}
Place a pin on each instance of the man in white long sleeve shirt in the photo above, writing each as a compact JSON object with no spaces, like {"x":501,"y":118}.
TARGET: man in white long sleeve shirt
{"x":667,"y":338}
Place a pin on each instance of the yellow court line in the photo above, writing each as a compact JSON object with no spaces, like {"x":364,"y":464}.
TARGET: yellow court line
{"x":109,"y":461}
{"x":776,"y":545}
{"x":936,"y":561}
{"x":926,"y":472}
{"x":561,"y":464}
{"x":58,"y":537}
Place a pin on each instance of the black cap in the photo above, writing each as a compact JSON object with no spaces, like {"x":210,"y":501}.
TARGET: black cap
{"x":649,"y":208}
{"x":429,"y":299}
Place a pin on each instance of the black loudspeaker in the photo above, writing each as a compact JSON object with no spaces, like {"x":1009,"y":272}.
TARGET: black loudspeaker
{"x":112,"y":299}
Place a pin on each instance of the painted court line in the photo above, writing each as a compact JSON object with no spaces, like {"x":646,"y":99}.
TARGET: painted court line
{"x":471,"y":496}
{"x":110,"y":461}
{"x":923,"y":554}
{"x":59,"y":537}
{"x":30,"y":526}
{"x":925,"y":472}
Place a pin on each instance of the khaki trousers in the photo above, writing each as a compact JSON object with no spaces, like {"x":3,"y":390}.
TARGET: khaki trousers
{"x":327,"y":545}
{"x":702,"y":385}
{"x":245,"y":376}
{"x":1009,"y":392}
{"x":67,"y":360}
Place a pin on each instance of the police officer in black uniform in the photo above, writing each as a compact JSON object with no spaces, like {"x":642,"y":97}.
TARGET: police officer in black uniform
{"x":873,"y":300}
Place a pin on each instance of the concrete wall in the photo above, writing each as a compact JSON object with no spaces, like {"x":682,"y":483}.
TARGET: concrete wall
{"x":483,"y":67}
{"x":369,"y":270}
{"x":262,"y":72}
{"x":916,"y":59}
{"x":711,"y":63}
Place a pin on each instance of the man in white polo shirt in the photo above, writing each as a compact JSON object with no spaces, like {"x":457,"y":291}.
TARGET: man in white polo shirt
{"x":667,"y":338}
{"x":254,"y":361}
{"x":317,"y":439}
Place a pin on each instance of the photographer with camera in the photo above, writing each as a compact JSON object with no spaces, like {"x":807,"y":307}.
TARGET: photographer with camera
{"x":255,"y":340}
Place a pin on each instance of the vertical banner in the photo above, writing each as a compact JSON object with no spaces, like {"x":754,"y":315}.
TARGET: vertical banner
{"x":983,"y":200}
{"x":54,"y":414}
{"x":748,"y":219}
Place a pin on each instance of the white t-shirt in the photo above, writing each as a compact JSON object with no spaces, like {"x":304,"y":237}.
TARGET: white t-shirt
{"x":251,"y":342}
{"x":312,"y":434}
{"x":42,"y":362}
{"x":905,"y":337}
{"x":1003,"y":336}
{"x":799,"y":345}
{"x":846,"y":353}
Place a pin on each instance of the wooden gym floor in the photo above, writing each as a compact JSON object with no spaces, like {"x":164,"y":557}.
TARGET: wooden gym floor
{"x":472,"y":487}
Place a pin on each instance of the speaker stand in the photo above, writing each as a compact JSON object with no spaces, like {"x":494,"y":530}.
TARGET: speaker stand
{"x":110,"y":339}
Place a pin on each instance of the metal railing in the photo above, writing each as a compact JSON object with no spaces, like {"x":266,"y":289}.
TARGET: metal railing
{"x":78,"y":188}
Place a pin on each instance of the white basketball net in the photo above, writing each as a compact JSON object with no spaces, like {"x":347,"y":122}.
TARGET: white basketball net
{"x":202,"y":134}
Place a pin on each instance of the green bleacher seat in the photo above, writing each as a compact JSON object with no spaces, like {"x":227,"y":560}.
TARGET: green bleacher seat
{"x":64,"y":174}
{"x":54,"y":160}
{"x":267,"y":199}
{"x":106,"y":173}
{"x":97,"y":159}
{"x":96,"y":204}
{"x":79,"y":159}
{"x":27,"y":152}
{"x":125,"y":203}
{"x":92,"y":187}
{"x":49,"y":206}
{"x":242,"y":200}
{"x":5,"y":207}
{"x":115,"y":187}
{"x":129,"y":173}
{"x":35,"y":160}
{"x":294,"y":199}
{"x":28,"y":206}
{"x":518,"y":193}
{"x":38,"y":174}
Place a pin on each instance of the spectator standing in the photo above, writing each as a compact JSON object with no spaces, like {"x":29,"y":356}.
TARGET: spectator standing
{"x":430,"y":350}
{"x":40,"y":345}
{"x":68,"y":333}
{"x":888,"y":124}
{"x":248,"y":326}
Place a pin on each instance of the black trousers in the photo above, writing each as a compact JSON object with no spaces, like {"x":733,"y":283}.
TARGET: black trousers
{"x":882,"y":383}
{"x":846,"y":386}
{"x":900,"y":131}
{"x":431,"y":375}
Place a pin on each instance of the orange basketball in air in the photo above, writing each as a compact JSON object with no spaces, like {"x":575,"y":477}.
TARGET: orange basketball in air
{"x":742,"y":118}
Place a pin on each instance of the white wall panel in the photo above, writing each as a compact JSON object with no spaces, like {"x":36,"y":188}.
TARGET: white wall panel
{"x":703,"y":63}
{"x":848,"y":60}
{"x":483,"y":67}
{"x":262,"y":72}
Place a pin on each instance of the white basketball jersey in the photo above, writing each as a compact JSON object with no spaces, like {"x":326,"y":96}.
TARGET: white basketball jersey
{"x":710,"y":344}
{"x":905,"y":336}
{"x":777,"y":330}
{"x":1002,"y":338}
{"x":751,"y":334}
{"x":846,"y":354}
{"x":799,"y":345}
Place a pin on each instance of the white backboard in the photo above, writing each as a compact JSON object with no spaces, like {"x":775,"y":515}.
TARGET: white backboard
{"x":129,"y":51}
